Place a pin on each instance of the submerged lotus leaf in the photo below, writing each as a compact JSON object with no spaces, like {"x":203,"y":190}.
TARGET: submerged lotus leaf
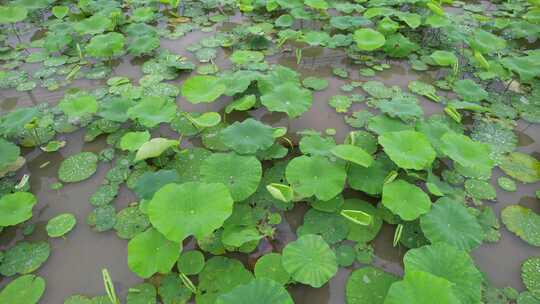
{"x":132,"y":141}
{"x":26,"y":289}
{"x":106,"y":45}
{"x":450,"y":222}
{"x":221,"y":275}
{"x":263,"y":291}
{"x":406,"y":200}
{"x":466,"y":152}
{"x":445,"y":261}
{"x":154,"y":148}
{"x":248,"y":137}
{"x":130,"y":222}
{"x":368,"y":39}
{"x":289,"y":98}
{"x":316,"y":175}
{"x":8,"y":153}
{"x":523,"y":222}
{"x":12,"y":14}
{"x":191,"y":262}
{"x":202,"y":208}
{"x":522,"y":167}
{"x":24,"y":258}
{"x":240,"y":174}
{"x":408,"y":149}
{"x":530,"y":275}
{"x":469,"y":90}
{"x":60,"y":224}
{"x":79,"y":106}
{"x":309,"y":260}
{"x":78,"y":167}
{"x":150,"y":252}
{"x":95,"y":24}
{"x":420,"y":287}
{"x":270,"y":266}
{"x":353,"y":154}
{"x":16,"y":208}
{"x":153,"y":110}
{"x":368,"y":285}
{"x":203,"y":89}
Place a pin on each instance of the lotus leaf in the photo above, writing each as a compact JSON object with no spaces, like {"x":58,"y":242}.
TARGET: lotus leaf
{"x":522,"y":221}
{"x":345,"y":255}
{"x":153,"y":110}
{"x":79,"y":106}
{"x":203,"y":89}
{"x":245,"y":57}
{"x":16,"y":208}
{"x":522,"y":167}
{"x":206,"y":120}
{"x":424,"y":89}
{"x":289,"y":98}
{"x":353,"y":154}
{"x":420,"y":287}
{"x":269,"y":266}
{"x":102,"y":218}
{"x":104,"y":195}
{"x":221,"y":275}
{"x":372,"y":178}
{"x":527,"y":298}
{"x":469,"y":90}
{"x":404,"y":108}
{"x":243,"y":104}
{"x":377,"y":89}
{"x":316,"y":145}
{"x":172,"y":290}
{"x":150,"y":252}
{"x":368,"y":285}
{"x":78,"y":167}
{"x":154,"y":148}
{"x":500,"y":138}
{"x":444,"y":58}
{"x":331,"y":226}
{"x":408,"y":149}
{"x":12,"y":14}
{"x":466,"y":152}
{"x":26,"y":289}
{"x":530,"y":275}
{"x":24,"y":258}
{"x":507,"y":184}
{"x":11,"y":123}
{"x":399,"y":46}
{"x":60,"y":11}
{"x":188,"y":163}
{"x":363,"y":233}
{"x":406,"y":200}
{"x":314,"y":83}
{"x":106,"y":45}
{"x":130,"y":222}
{"x":368,"y":39}
{"x":95,"y":24}
{"x":526,"y":66}
{"x":309,"y":260}
{"x":264,"y":291}
{"x":115,"y":109}
{"x":8,"y":153}
{"x":132,"y":141}
{"x":480,"y":190}
{"x":144,"y":293}
{"x":60,"y":224}
{"x":486,"y":42}
{"x":248,"y":137}
{"x":202,"y":207}
{"x":191,"y":262}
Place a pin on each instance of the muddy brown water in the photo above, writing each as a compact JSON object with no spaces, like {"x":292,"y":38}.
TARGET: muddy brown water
{"x":75,"y":263}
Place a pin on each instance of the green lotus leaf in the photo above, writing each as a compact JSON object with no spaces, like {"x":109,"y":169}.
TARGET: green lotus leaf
{"x":424,"y":89}
{"x":248,"y":137}
{"x":264,"y":291}
{"x":206,"y":120}
{"x":143,"y":14}
{"x":486,"y":42}
{"x":362,"y":233}
{"x":237,"y":236}
{"x":371,"y":179}
{"x":144,"y":44}
{"x":79,"y":106}
{"x":317,"y":4}
{"x":523,"y":222}
{"x":331,"y":226}
{"x":341,"y":103}
{"x":153,"y":110}
{"x":191,"y":262}
{"x":144,"y":293}
{"x":405,"y":108}
{"x":132,"y":141}
{"x":399,"y":46}
{"x":172,"y":290}
{"x":289,"y":98}
{"x":202,"y":207}
{"x":444,"y":58}
{"x":368,"y":285}
{"x":406,"y":200}
{"x":466,"y":152}
{"x":420,"y":287}
{"x":345,"y":255}
{"x":269,"y":266}
{"x":24,"y":258}
{"x":526,"y":66}
{"x":11,"y":123}
{"x":353,"y":154}
{"x":203,"y":89}
{"x":309,"y":260}
{"x":16,"y":208}
{"x":240,"y":174}
{"x":12,"y":14}
{"x":104,"y":195}
{"x":527,"y":298}
{"x":60,"y":11}
{"x":106,"y":45}
{"x":500,"y":138}
{"x":316,"y":145}
{"x":277,"y":76}
{"x":221,"y":275}
{"x":8,"y":153}
{"x":78,"y":167}
{"x":377,"y":89}
{"x":237,"y":82}
{"x":102,"y":218}
{"x":130,"y":222}
{"x":445,"y":261}
{"x":53,"y":146}
{"x":469,"y":90}
{"x":188,"y":163}
{"x":154,"y":148}
{"x":243,"y":104}
{"x":116,"y":109}
{"x":522,"y":167}
{"x":95,"y":24}
{"x":314,"y":83}
{"x":480,"y":190}
{"x":150,"y":182}
{"x":244,"y":57}
{"x":60,"y":224}
{"x":408,"y":149}
{"x":26,"y":289}
{"x":530,"y":275}
{"x":316,"y":175}
{"x":150,"y":252}
{"x":412,"y":235}
{"x":368,"y":39}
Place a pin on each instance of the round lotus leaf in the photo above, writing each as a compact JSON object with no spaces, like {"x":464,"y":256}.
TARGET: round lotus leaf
{"x":289,"y":98}
{"x":78,"y":167}
{"x":445,"y":261}
{"x":221,"y":275}
{"x":270,"y":266}
{"x":361,"y":233}
{"x":26,"y":289}
{"x":241,"y":174}
{"x":144,"y":293}
{"x":353,"y":154}
{"x":412,"y":235}
{"x":130,"y":222}
{"x":248,"y":137}
{"x":368,"y":39}
{"x":317,"y":145}
{"x":188,"y":163}
{"x":408,"y":149}
{"x":316,"y":176}
{"x":345,"y":255}
{"x":202,"y":207}
{"x":8,"y":153}
{"x":527,"y":298}
{"x":95,"y":24}
{"x":172,"y":290}
{"x":79,"y":106}
{"x":444,"y":58}
{"x":245,"y":56}
{"x":150,"y":252}
{"x":60,"y":224}
{"x":522,"y":221}
{"x":486,"y":42}
{"x":331,"y":226}
{"x":479,"y":189}
{"x":78,"y":299}
{"x":368,"y":285}
{"x":12,"y":14}
{"x":314,"y":83}
{"x":152,"y":110}
{"x":24,"y":258}
{"x":106,"y":45}
{"x":191,"y":262}
{"x":507,"y":184}
{"x":202,"y":89}
{"x":522,"y":167}
{"x":309,"y":260}
{"x":372,"y":178}
{"x":150,"y":182}
{"x":406,"y":200}
{"x":116,"y":109}
{"x":16,"y":208}
{"x":466,"y":152}
{"x":10,"y":123}
{"x":242,"y":104}
{"x":420,"y":287}
{"x":263,"y":291}
{"x":132,"y":141}
{"x":469,"y":90}
{"x":530,"y":275}
{"x":154,"y":148}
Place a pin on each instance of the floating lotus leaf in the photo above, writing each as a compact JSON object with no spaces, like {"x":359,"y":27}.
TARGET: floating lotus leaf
{"x":444,"y":58}
{"x":368,"y":285}
{"x":153,"y":110}
{"x":466,"y":152}
{"x":237,"y":236}
{"x":486,"y":42}
{"x":377,"y":89}
{"x":150,"y":252}
{"x":289,"y":98}
{"x":526,"y":66}
{"x":78,"y":167}
{"x":12,"y":14}
{"x":154,"y":148}
{"x":420,"y":287}
{"x":202,"y":89}
{"x":408,"y":149}
{"x":500,"y":138}
{"x":527,"y":298}
{"x":116,"y":109}
{"x":150,"y":182}
{"x":60,"y":224}
{"x":102,"y":218}
{"x":399,"y":46}
{"x":144,"y":293}
{"x":132,"y":141}
{"x":24,"y":258}
{"x":445,"y":261}
{"x":368,"y":39}
{"x":522,"y":167}
{"x":188,"y":163}
{"x":480,"y":190}
{"x":206,"y":120}
{"x":264,"y":291}
{"x":172,"y":290}
{"x":317,"y":145}
{"x":270,"y":266}
{"x":8,"y":153}
{"x":240,"y":174}
{"x":243,"y":104}
{"x":314,"y":83}
{"x":530,"y":275}
{"x":245,"y":57}
{"x":106,"y":45}
{"x":221,"y":275}
{"x":202,"y":208}
{"x":191,"y":262}
{"x":79,"y":106}
{"x":26,"y":289}
{"x":16,"y":208}
{"x":371,"y":179}
{"x":345,"y":255}
{"x":316,"y":175}
{"x":11,"y":123}
{"x":309,"y":260}
{"x":406,"y":200}
{"x":363,"y":233}
{"x":405,"y":108}
{"x":522,"y":221}
{"x":104,"y":195}
{"x":60,"y":11}
{"x":130,"y":222}
{"x":95,"y":24}
{"x":331,"y":226}
{"x":469,"y":90}
{"x":248,"y":137}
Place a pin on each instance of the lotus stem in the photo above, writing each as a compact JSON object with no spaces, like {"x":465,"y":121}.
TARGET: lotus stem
{"x":109,"y":286}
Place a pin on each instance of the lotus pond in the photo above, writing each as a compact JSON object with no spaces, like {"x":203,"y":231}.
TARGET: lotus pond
{"x":269,"y":151}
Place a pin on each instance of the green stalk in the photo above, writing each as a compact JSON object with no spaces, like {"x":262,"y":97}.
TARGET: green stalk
{"x":109,"y":286}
